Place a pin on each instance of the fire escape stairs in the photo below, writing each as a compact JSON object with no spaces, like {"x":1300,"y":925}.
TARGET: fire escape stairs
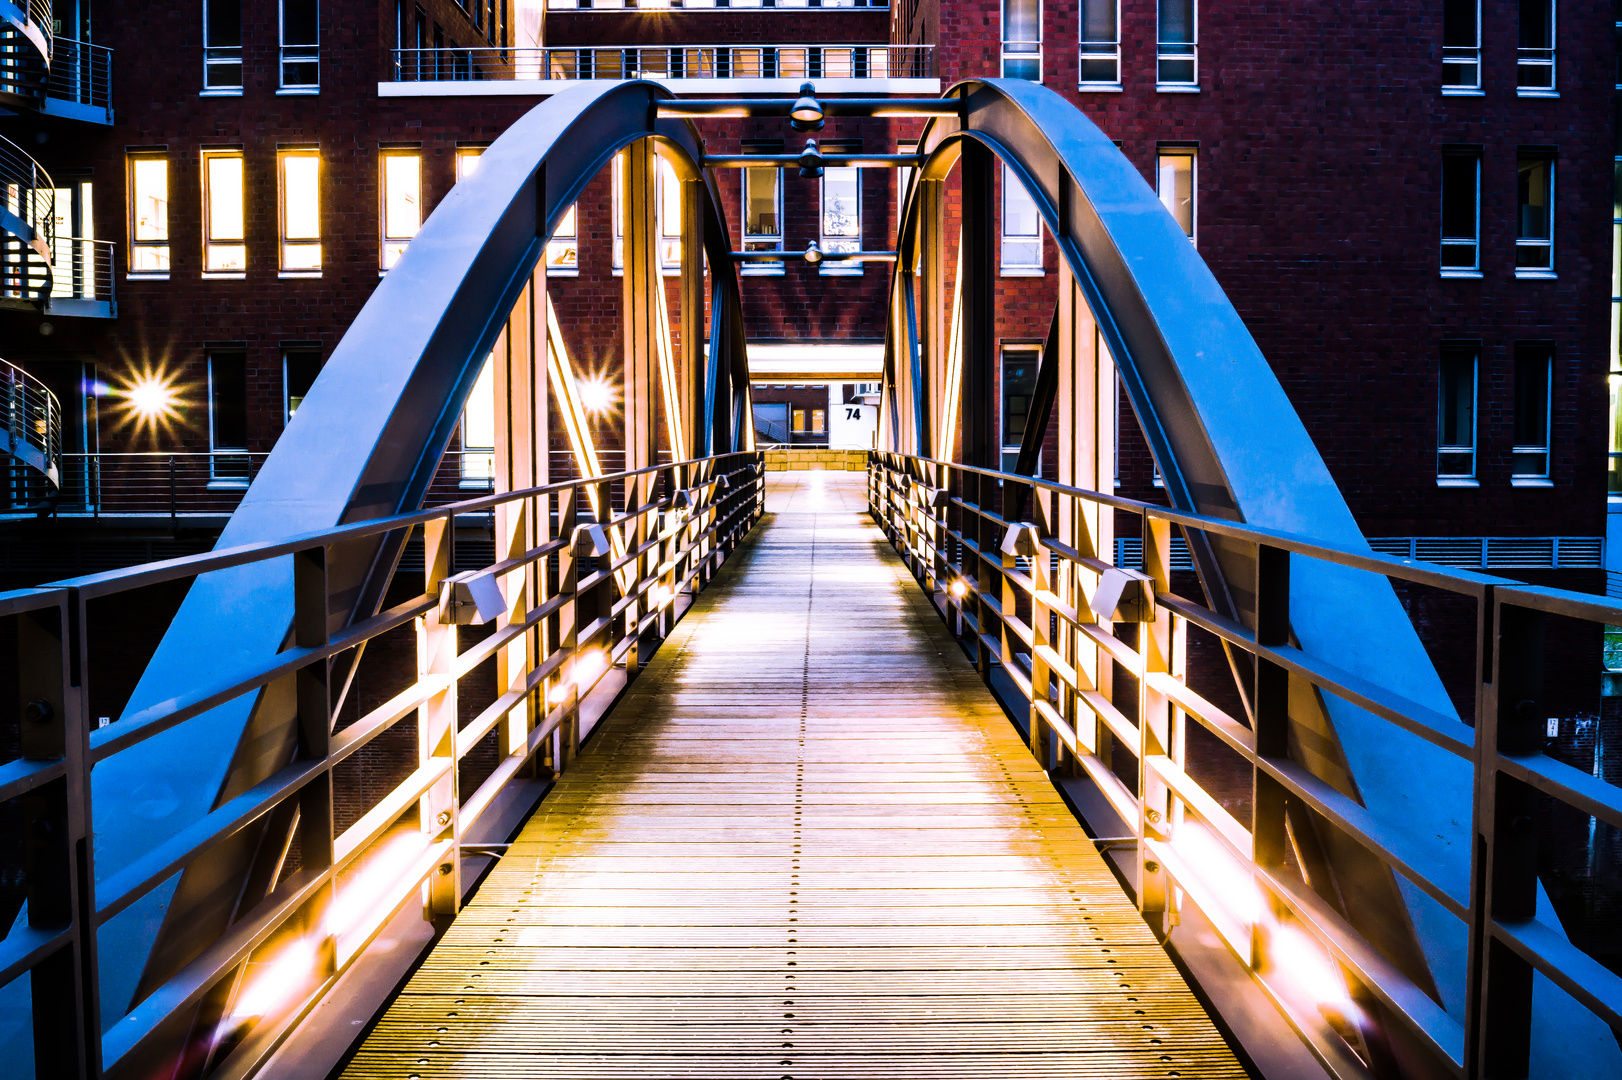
{"x":27,"y":220}
{"x":25,"y":53}
{"x":31,"y":449}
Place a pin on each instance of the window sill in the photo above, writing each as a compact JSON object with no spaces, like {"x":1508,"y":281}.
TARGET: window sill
{"x":1531,"y":482}
{"x":1457,"y":482}
{"x":232,"y":92}
{"x":762,"y":270}
{"x":1023,"y":271}
{"x":1461,"y":273}
{"x":1523,"y":92}
{"x":1176,"y":88}
{"x":286,"y":275}
{"x":481,"y":484}
{"x":1463,"y":91}
{"x":1536,"y":275}
{"x":298,"y":91}
{"x":552,"y":272}
{"x":226,"y":275}
{"x":1101,"y":88}
{"x":136,"y":275}
{"x":228,"y":485}
{"x":840,"y":271}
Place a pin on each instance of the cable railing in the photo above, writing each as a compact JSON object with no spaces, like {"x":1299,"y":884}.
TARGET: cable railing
{"x":1094,"y":657}
{"x":82,"y":270}
{"x":25,"y":49}
{"x":33,"y":419}
{"x":667,"y":62}
{"x":27,"y":225}
{"x":572,"y":608}
{"x":81,"y":73}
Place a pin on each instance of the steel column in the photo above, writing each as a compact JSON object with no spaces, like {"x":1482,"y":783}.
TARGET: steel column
{"x":977,"y":257}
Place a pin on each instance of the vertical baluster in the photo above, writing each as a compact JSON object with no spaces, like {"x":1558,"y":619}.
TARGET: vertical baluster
{"x":1271,"y":719}
{"x":437,"y":722}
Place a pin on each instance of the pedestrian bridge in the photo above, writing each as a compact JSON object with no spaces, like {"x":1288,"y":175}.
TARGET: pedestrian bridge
{"x":785,"y":827}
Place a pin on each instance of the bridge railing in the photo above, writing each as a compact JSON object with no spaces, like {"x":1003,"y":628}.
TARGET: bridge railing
{"x":587,"y":581}
{"x":1017,"y":565}
{"x":754,"y":61}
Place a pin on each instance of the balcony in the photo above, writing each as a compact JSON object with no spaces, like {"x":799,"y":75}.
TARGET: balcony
{"x":453,"y":72}
{"x":80,"y":84}
{"x":82,"y":279}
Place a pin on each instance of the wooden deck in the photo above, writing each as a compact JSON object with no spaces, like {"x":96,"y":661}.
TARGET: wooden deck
{"x":807,"y":844}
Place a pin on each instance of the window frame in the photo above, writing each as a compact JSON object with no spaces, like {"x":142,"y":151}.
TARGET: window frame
{"x":289,"y":353}
{"x":221,"y":56}
{"x":210,"y":240}
{"x":225,"y":471}
{"x":132,"y":207}
{"x":1528,"y":59}
{"x":297,"y":54}
{"x":1023,"y":50}
{"x":1462,"y":57}
{"x":385,"y":238}
{"x":761,"y":241}
{"x":284,"y":240}
{"x":1007,"y":268}
{"x":1014,"y":346}
{"x":1473,"y":270}
{"x":562,"y":242}
{"x":476,"y":468}
{"x":1546,"y":243}
{"x":1099,"y":50}
{"x":1192,"y":55}
{"x":825,"y":240}
{"x":1192,"y":153}
{"x":1543,"y":351}
{"x":1472,"y":447}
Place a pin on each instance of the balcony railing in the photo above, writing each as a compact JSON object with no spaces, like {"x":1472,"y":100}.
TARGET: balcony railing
{"x":82,"y":278}
{"x":708,"y":5}
{"x":668,"y":62}
{"x":81,"y":75}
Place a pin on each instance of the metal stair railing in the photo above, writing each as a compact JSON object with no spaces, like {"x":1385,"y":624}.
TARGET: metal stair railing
{"x":26,"y":44}
{"x":27,"y":226}
{"x":81,"y":73}
{"x":33,"y":419}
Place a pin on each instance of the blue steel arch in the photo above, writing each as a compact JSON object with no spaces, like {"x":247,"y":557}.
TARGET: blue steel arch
{"x":365,"y":444}
{"x":1229,"y":444}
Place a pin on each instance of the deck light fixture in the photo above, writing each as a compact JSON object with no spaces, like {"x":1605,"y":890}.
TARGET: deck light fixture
{"x":813,"y":254}
{"x":959,"y":589}
{"x":806,"y":112}
{"x":810,"y":161}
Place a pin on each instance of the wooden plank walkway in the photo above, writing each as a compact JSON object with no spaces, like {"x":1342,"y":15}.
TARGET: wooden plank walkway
{"x":807,"y":844}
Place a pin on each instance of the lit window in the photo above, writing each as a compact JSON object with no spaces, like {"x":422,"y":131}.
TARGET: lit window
{"x":1534,"y":59}
{"x":563,"y":250}
{"x":1534,"y":219}
{"x":1534,"y":383}
{"x":479,"y":430}
{"x":467,"y":161}
{"x":1174,"y":64}
{"x":616,"y":175}
{"x":1100,"y":58}
{"x":1018,"y":386}
{"x":149,"y":215}
{"x":819,"y":421}
{"x":222,"y":46}
{"x":1461,"y":213}
{"x":904,"y":174}
{"x":762,"y":208}
{"x":301,"y":66}
{"x":299,"y":369}
{"x":1022,"y":39}
{"x":1174,"y":182}
{"x":228,"y":418}
{"x":301,"y":210}
{"x":1456,"y":414}
{"x":1461,"y":45}
{"x":669,"y":217}
{"x":224,"y":241}
{"x":402,"y":203}
{"x":799,"y":422}
{"x":841,"y":216}
{"x":1021,"y":227}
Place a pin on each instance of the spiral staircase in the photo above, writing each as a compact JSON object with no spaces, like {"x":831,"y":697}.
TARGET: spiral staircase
{"x":31,"y":448}
{"x":27,"y":228}
{"x":25,"y":52}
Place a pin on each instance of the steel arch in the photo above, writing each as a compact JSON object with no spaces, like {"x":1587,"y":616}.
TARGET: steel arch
{"x":364,"y":444}
{"x":1228,"y":444}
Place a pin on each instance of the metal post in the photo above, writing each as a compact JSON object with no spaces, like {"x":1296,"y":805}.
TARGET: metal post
{"x":437,"y":723}
{"x":1156,"y":645}
{"x":982,"y":444}
{"x":1271,"y":720}
{"x":311,"y":626}
{"x":693,"y":355}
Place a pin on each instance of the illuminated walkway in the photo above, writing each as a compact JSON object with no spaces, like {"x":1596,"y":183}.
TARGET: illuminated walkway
{"x":806,"y":844}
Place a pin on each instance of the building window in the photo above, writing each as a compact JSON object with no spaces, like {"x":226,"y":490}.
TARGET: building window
{"x":1022,"y":39}
{"x":1174,"y":183}
{"x":301,"y":210}
{"x":1021,"y":227}
{"x":228,"y":418}
{"x":1461,"y":46}
{"x":1175,"y":56}
{"x":1534,"y":386}
{"x":225,"y":248}
{"x":1018,"y":385}
{"x":299,"y":369}
{"x":222,"y":46}
{"x":301,"y":66}
{"x":1456,"y":414}
{"x":1534,"y":216}
{"x":1534,"y":59}
{"x":149,"y":215}
{"x":1461,"y":213}
{"x":402,"y":202}
{"x":563,"y":250}
{"x":479,"y":430}
{"x":616,"y":182}
{"x":762,"y":207}
{"x":1100,"y":60}
{"x":467,"y":161}
{"x":669,"y":217}
{"x":841,"y":224}
{"x":904,"y":174}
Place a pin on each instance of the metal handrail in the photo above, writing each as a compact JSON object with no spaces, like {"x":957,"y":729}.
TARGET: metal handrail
{"x":33,"y":420}
{"x":753,"y":61}
{"x":1019,"y":595}
{"x":27,"y":225}
{"x":675,"y":524}
{"x":81,"y":72}
{"x":83,"y":269}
